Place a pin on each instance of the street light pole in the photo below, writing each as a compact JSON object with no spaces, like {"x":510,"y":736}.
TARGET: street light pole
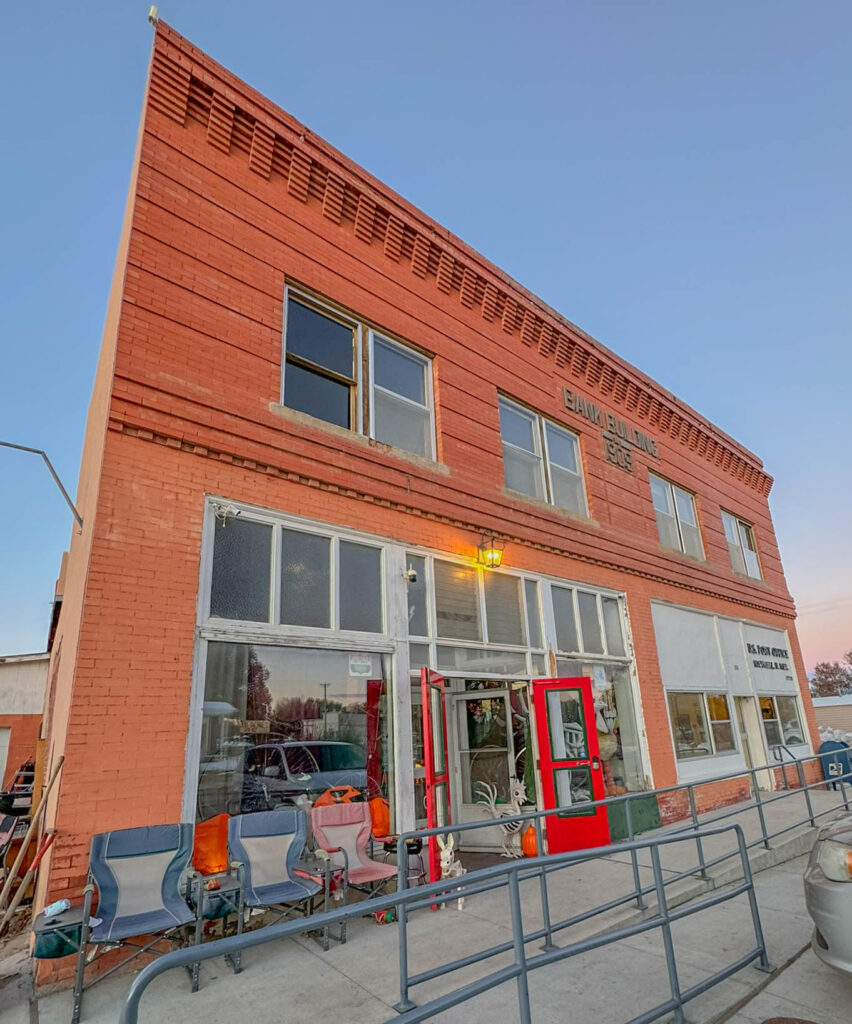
{"x":53,"y":473}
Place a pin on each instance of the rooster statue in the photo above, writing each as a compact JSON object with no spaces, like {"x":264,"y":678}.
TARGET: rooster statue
{"x":486,"y":796}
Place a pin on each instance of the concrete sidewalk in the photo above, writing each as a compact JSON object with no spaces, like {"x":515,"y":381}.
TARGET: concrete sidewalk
{"x":293,"y":980}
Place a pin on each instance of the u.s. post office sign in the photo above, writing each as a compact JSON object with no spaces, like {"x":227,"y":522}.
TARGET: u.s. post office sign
{"x":619,"y":438}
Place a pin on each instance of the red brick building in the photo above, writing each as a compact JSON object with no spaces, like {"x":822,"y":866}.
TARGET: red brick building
{"x":313,"y":405}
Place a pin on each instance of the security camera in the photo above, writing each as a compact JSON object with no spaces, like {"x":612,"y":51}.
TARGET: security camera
{"x":410,"y":575}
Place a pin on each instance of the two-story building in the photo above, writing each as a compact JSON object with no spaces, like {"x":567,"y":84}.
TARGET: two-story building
{"x":319,"y":423}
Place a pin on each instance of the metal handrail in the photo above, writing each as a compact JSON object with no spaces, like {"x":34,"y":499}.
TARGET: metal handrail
{"x":691,"y":831}
{"x":507,"y":875}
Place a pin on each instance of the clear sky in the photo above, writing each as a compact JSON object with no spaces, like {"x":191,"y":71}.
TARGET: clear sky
{"x":673,"y":177}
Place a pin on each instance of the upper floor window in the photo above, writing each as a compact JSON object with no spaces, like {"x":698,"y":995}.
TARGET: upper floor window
{"x":320,"y":371}
{"x":677,"y":522}
{"x":541,"y":459}
{"x":741,"y":545}
{"x":401,"y":397}
{"x":322,"y":377}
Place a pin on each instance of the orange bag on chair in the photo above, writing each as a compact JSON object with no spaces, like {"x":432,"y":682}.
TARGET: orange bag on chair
{"x":380,"y":813}
{"x":338,"y":795}
{"x":210,"y":848}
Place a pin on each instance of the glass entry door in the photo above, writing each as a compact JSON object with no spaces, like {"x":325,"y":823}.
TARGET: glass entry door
{"x":484,"y":758}
{"x":570,"y":764}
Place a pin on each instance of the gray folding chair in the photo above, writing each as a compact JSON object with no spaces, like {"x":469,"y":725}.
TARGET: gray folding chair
{"x":267,"y":850}
{"x":138,"y":874}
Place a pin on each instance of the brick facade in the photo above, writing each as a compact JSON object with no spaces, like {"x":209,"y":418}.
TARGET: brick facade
{"x":231,"y":198}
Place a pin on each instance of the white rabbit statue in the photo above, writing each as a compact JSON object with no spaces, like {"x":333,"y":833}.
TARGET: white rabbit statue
{"x":450,"y":867}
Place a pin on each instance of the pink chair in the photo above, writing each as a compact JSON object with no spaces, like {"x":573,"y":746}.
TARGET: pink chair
{"x":343,"y":831}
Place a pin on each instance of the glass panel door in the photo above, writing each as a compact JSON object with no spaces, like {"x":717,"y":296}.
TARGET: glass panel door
{"x":484,"y":743}
{"x":570,"y":764}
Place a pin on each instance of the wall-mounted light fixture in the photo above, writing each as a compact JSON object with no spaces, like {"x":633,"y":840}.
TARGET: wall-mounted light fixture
{"x":490,"y":551}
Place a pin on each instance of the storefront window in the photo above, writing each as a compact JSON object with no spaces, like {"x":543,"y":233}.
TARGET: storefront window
{"x":456,"y":602}
{"x":788,"y":715}
{"x":720,"y":722}
{"x":615,"y":722}
{"x":504,"y":610}
{"x":360,"y":588}
{"x":566,"y":620}
{"x":781,"y":723}
{"x":689,"y":725}
{"x":480,"y":659}
{"x":305,"y":579}
{"x":281,"y":725}
{"x":690,"y":714}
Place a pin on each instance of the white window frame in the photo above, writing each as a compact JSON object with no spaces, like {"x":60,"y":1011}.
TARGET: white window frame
{"x":542,"y":453}
{"x":426,"y":363}
{"x":777,"y":719}
{"x":272,"y":623}
{"x":672,"y":488}
{"x":599,"y":595}
{"x":708,"y":722}
{"x":740,"y":525}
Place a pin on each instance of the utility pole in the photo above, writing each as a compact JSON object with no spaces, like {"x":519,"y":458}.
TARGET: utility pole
{"x":324,"y":710}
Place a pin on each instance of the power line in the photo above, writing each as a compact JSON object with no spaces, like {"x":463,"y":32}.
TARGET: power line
{"x":825,"y":606}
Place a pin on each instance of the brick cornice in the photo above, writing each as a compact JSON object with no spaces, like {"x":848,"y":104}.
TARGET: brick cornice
{"x":217,"y":454}
{"x":187,"y":85}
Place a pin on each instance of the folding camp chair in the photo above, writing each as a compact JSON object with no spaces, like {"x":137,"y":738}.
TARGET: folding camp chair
{"x":343,"y":831}
{"x":137,"y":872}
{"x":266,"y":849}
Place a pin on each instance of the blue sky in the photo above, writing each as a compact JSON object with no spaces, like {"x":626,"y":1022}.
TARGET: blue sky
{"x":673,"y":177}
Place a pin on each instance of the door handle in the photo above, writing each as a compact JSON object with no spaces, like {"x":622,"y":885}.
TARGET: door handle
{"x":596,"y":764}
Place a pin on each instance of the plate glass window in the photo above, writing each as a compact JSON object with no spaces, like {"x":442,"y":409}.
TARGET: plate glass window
{"x":402,"y":403}
{"x":689,"y":725}
{"x":319,"y":374}
{"x":677,"y":523}
{"x":741,"y":546}
{"x":781,"y":722}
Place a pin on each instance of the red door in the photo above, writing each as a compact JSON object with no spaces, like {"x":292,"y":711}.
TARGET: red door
{"x":435,"y":762}
{"x":570,"y":765}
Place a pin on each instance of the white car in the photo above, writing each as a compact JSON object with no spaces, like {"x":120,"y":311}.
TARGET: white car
{"x":828,"y":893}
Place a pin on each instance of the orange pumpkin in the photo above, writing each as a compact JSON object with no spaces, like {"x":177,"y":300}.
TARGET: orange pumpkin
{"x":529,"y":842}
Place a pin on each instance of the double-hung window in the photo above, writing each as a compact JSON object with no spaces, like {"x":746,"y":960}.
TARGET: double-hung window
{"x":677,"y":522}
{"x":401,"y":412}
{"x":321,"y":363}
{"x":323,"y":374}
{"x":541,"y":459}
{"x":741,"y":545}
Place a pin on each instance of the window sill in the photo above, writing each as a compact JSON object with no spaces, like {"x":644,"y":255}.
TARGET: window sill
{"x":305,"y":419}
{"x":546,"y":506}
{"x":694,"y":768}
{"x":744,"y":576}
{"x":694,"y":559}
